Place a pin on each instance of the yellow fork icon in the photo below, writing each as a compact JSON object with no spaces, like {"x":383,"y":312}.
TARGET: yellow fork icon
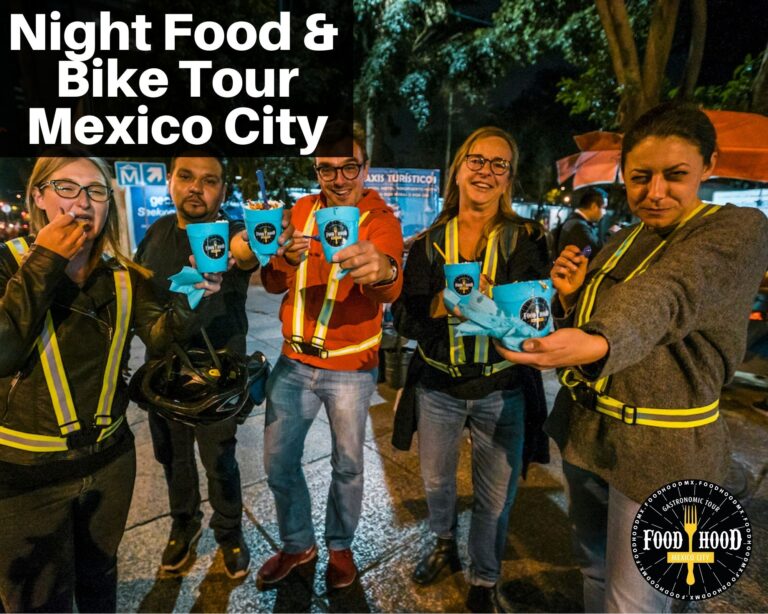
{"x":690,"y":524}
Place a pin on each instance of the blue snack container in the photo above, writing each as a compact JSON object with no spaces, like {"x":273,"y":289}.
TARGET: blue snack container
{"x":338,"y":228}
{"x":462,"y":278}
{"x":530,"y":301}
{"x":210,"y":245}
{"x":264,"y":227}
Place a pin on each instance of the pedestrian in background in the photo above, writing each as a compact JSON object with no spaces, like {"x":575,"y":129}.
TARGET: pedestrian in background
{"x":581,"y":228}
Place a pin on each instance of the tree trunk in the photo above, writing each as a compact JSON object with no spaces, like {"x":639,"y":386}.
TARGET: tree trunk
{"x":370,"y":126}
{"x":659,"y":43}
{"x":623,"y":51}
{"x":695,"y":49}
{"x":760,"y":87}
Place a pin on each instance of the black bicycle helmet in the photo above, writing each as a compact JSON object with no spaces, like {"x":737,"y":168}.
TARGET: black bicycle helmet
{"x":198,"y":386}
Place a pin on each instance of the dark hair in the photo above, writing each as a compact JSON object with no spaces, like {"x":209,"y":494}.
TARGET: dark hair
{"x":338,"y":137}
{"x":680,"y":119}
{"x":589,"y":196}
{"x":203,"y":151}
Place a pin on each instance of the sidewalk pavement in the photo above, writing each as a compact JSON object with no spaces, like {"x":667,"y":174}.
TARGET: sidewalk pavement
{"x":539,"y":573}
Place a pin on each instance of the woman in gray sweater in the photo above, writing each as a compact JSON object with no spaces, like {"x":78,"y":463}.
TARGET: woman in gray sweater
{"x":657,"y":321}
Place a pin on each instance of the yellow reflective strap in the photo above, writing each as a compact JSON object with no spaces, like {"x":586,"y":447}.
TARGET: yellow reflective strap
{"x":110,"y":429}
{"x":124,"y":301}
{"x":451,"y":247}
{"x":652,"y":416}
{"x":50,"y":359}
{"x":331,"y":289}
{"x":56,"y":379}
{"x":590,"y":292}
{"x":490,"y":264}
{"x":31,"y":442}
{"x":301,"y":278}
{"x":353,"y":349}
{"x":18,"y":247}
{"x":321,"y":330}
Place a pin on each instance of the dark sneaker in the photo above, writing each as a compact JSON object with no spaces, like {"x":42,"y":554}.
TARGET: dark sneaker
{"x":181,"y":544}
{"x":444,"y":555}
{"x":237,"y":557}
{"x":761,"y":406}
{"x":281,"y":564}
{"x":342,"y":570}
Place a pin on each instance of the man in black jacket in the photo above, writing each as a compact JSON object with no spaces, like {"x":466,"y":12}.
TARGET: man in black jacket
{"x":581,"y":227}
{"x":197,"y":188}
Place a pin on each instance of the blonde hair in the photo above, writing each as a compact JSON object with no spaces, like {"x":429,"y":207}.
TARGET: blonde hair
{"x":451,"y":197}
{"x":108,"y":240}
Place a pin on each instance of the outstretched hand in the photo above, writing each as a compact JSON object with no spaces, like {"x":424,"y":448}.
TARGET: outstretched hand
{"x":566,"y":347}
{"x":212,"y":283}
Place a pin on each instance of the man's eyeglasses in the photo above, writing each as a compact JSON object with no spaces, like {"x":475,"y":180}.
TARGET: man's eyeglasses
{"x":349,"y":171}
{"x":69,"y":189}
{"x":476,"y":162}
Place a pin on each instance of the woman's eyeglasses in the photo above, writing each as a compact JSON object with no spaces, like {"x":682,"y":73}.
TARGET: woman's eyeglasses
{"x":69,"y":189}
{"x":476,"y":162}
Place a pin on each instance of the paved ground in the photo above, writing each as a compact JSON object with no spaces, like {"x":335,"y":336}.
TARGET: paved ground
{"x":539,"y":572}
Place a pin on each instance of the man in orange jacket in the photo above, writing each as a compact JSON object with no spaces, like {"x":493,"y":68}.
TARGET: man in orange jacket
{"x":332,"y":332}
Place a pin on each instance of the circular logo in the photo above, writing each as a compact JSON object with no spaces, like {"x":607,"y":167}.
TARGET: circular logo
{"x":535,"y":312}
{"x":463,"y":284}
{"x":691,"y":539}
{"x":215,"y":247}
{"x":336,"y":233}
{"x":265,"y":233}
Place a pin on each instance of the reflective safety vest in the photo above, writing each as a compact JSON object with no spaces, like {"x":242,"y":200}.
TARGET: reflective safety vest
{"x":458,"y":360}
{"x":316,"y":346}
{"x":650,"y":416}
{"x":56,"y":379}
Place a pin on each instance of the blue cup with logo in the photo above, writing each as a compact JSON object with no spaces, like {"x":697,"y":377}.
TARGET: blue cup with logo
{"x":210,"y":245}
{"x":338,"y":229}
{"x":529,"y":301}
{"x":264,"y":224}
{"x":462,"y":278}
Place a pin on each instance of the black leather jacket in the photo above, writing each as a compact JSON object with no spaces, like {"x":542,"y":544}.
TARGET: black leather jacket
{"x":84,"y":320}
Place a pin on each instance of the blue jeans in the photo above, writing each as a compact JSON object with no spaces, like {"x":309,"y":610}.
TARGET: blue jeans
{"x":295,"y":392}
{"x":601,"y":523}
{"x":497,"y":427}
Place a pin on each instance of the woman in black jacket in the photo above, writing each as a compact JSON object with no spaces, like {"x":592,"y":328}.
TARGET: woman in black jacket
{"x":462,"y":380}
{"x":67,"y":459}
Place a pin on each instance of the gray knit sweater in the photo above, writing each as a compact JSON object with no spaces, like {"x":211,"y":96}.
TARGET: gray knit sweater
{"x":676,"y":334}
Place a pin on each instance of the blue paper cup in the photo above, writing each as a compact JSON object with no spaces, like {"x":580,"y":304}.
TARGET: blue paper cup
{"x":210,"y":245}
{"x":264,"y":227}
{"x":462,"y":278}
{"x":338,"y":228}
{"x":530,"y":301}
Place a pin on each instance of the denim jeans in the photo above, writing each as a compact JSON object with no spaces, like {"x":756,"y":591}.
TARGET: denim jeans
{"x":174,"y":446}
{"x":601,"y":523}
{"x":295,"y":392}
{"x":497,"y":428}
{"x":60,"y":540}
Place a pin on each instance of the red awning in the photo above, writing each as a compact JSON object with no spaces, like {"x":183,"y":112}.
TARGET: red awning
{"x":742,"y":144}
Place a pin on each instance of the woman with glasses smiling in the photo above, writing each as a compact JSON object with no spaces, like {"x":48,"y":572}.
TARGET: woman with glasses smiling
{"x":69,"y":301}
{"x":462,"y":381}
